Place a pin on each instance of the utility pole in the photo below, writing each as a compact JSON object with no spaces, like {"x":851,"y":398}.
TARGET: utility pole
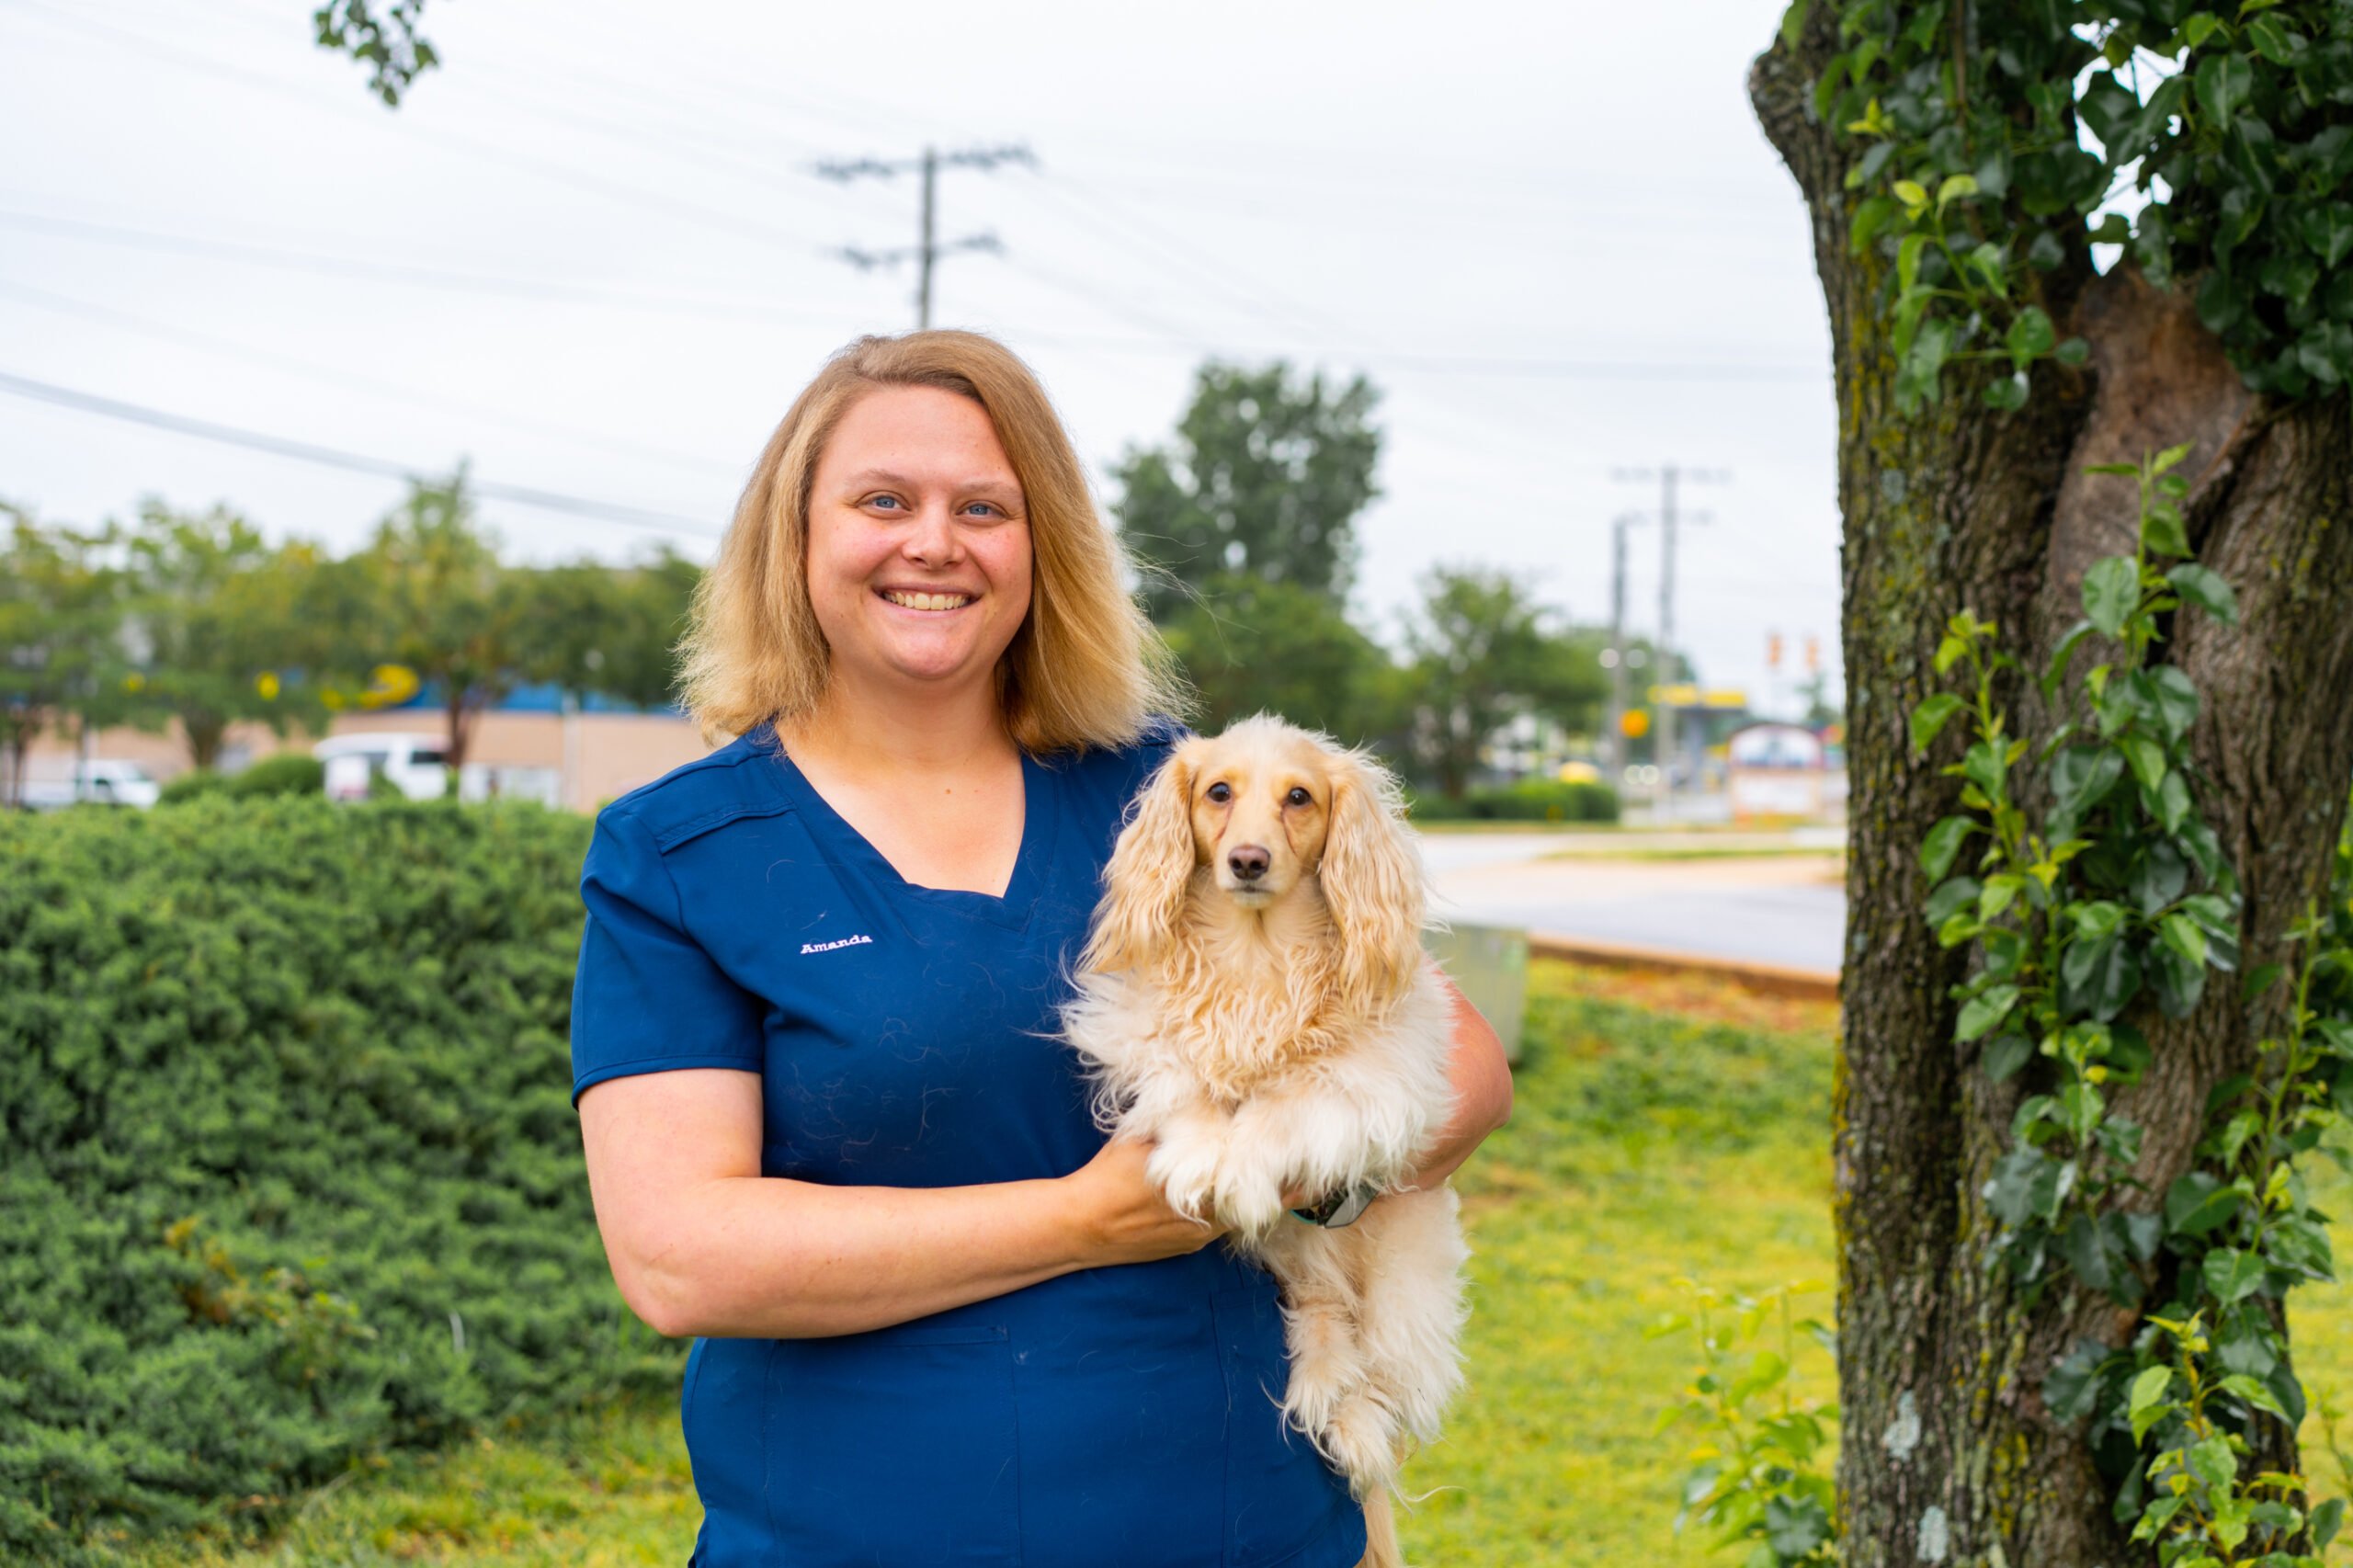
{"x":1670,"y":475}
{"x":928,"y":250}
{"x":1617,"y":722}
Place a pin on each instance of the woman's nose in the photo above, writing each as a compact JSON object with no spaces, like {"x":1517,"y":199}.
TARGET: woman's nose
{"x":933,"y":539}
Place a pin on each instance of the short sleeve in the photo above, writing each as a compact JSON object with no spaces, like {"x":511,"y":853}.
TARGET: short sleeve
{"x":646,"y":997}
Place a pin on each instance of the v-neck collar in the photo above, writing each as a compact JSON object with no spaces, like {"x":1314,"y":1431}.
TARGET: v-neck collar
{"x":1041,"y":817}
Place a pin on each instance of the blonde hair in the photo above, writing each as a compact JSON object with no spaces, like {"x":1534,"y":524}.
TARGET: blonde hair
{"x":1084,"y":668}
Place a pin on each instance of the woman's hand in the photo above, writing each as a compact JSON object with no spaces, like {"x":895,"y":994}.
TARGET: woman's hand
{"x":1121,"y":1212}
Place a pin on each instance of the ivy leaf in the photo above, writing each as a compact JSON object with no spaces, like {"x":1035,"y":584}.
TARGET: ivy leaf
{"x":2064,"y":655}
{"x":2147,"y":757}
{"x":2223,"y":82}
{"x":2233,"y":1275}
{"x":2181,"y":934}
{"x":2163,"y":531}
{"x":2327,"y":1519}
{"x":1912,"y":193}
{"x":2072,"y":1391}
{"x":2113,"y":592}
{"x":2253,"y":1393}
{"x":2200,"y":27}
{"x":2204,"y":589}
{"x":2274,"y":41}
{"x":2082,"y":775}
{"x":2031,"y":335}
{"x":2004,"y":1054}
{"x":1795,"y":1527}
{"x":2212,"y":1462}
{"x":1982,"y":1011}
{"x":2148,"y":1404}
{"x":1793,"y":23}
{"x":2101,"y":976}
{"x":2072,"y":351}
{"x":1907,"y":260}
{"x":2197,"y":1203}
{"x":2007,"y":394}
{"x":1950,"y":898}
{"x":2174,"y":695}
{"x":1937,"y":851}
{"x":1955,"y":187}
{"x":2329,"y":231}
{"x":1932,"y":715}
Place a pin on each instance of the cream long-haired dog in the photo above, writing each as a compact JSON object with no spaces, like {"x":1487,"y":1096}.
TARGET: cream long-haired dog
{"x":1255,"y":999}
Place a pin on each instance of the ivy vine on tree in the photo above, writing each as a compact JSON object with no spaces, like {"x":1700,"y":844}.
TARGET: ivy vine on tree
{"x":2118,"y":893}
{"x":2214,"y":147}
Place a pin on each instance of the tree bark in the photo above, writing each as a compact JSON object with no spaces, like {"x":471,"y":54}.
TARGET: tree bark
{"x":1948,"y":1454}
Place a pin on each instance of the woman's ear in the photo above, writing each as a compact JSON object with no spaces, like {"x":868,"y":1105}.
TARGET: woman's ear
{"x":1151,"y":868}
{"x":1373,"y":884}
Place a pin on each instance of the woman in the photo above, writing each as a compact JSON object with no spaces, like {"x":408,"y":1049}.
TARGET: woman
{"x":829,"y":1133}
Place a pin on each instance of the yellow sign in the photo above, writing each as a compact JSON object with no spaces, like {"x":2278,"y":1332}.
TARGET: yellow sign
{"x":389,"y":686}
{"x":1686,"y":695}
{"x":1635,"y":723}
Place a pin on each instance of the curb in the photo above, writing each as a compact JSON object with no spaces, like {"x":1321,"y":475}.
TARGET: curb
{"x":1764,"y":979}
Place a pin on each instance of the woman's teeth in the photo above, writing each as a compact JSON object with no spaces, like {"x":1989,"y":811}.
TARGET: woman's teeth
{"x":927,"y":601}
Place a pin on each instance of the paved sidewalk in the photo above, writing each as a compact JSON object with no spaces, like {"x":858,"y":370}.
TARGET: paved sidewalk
{"x":1784,"y":908}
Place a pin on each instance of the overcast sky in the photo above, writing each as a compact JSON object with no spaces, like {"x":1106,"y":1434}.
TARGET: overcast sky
{"x":590,"y":254}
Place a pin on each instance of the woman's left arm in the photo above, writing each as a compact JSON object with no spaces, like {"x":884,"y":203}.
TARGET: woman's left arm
{"x":1482,"y":1081}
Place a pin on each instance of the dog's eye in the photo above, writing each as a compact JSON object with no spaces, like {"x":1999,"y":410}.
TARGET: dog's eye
{"x":1221,"y":793}
{"x":1299,"y":798}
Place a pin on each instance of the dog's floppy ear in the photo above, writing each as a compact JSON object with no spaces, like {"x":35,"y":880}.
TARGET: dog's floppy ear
{"x":1151,"y":867}
{"x":1372,"y":883}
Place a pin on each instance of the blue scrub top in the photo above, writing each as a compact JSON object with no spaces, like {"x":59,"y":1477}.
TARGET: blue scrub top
{"x":1121,"y":1417}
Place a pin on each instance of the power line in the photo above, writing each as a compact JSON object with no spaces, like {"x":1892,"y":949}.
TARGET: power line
{"x":330,"y":457}
{"x":333,"y":376}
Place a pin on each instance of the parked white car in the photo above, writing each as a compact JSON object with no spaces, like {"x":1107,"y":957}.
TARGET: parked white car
{"x":99,"y":781}
{"x":417,"y":765}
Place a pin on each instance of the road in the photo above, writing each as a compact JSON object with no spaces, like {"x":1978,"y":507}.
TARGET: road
{"x":1771,"y":907}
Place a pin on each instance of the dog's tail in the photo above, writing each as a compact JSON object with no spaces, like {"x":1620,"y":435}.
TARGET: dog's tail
{"x":1381,"y":1548}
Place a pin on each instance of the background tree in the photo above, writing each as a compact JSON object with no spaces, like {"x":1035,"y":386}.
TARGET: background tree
{"x":381,"y":36}
{"x":441,"y":604}
{"x":1251,"y":646}
{"x":590,"y":628}
{"x":1983,"y":364}
{"x":1482,"y":651}
{"x":218,"y":616}
{"x":1265,"y":478}
{"x":63,"y":655}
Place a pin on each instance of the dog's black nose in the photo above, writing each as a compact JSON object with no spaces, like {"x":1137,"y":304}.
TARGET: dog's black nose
{"x":1249,"y":862}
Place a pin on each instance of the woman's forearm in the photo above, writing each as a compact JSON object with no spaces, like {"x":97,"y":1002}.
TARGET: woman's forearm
{"x":1482,"y":1082}
{"x":767,"y":1258}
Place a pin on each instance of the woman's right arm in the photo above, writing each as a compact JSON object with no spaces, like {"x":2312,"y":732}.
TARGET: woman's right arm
{"x":701,"y":1244}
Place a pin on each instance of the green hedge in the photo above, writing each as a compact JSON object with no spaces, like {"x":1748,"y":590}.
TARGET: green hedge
{"x":1531,"y":800}
{"x":288,"y":1166}
{"x":283,"y":773}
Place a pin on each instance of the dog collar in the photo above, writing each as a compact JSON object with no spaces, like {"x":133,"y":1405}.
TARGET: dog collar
{"x":1341,"y":1208}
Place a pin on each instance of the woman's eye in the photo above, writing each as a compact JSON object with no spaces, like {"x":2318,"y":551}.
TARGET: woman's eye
{"x":985,"y":507}
{"x":1299,"y":798}
{"x":1219,"y":793}
{"x":883,"y":501}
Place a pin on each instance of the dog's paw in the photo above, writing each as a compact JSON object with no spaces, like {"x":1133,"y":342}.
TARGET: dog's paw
{"x":1186,"y":1171}
{"x":1361,"y":1439}
{"x":1252,"y":1207}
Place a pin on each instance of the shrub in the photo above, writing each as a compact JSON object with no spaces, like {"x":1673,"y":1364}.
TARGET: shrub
{"x":288,"y":1166}
{"x":282,"y":773}
{"x":196,"y":784}
{"x":1531,"y":800}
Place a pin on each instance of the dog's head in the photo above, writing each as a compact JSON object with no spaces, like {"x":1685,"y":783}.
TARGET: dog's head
{"x":1251,"y":814}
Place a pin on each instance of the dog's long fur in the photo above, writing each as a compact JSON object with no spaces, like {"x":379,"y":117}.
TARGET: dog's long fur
{"x":1282,"y":1031}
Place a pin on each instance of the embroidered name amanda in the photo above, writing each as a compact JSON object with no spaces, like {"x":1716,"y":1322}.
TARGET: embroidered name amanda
{"x":829,"y":946}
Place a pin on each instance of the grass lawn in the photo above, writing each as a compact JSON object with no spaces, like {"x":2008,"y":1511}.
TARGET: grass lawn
{"x":1666,"y":1128}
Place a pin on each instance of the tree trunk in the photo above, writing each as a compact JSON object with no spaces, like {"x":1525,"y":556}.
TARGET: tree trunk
{"x":203,"y":734}
{"x":1948,"y":1454}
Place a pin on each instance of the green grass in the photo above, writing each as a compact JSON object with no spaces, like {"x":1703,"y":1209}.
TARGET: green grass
{"x":1665,"y":1129}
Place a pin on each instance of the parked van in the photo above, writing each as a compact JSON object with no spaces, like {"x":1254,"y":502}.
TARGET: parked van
{"x":418,"y":766}
{"x":98,"y":781}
